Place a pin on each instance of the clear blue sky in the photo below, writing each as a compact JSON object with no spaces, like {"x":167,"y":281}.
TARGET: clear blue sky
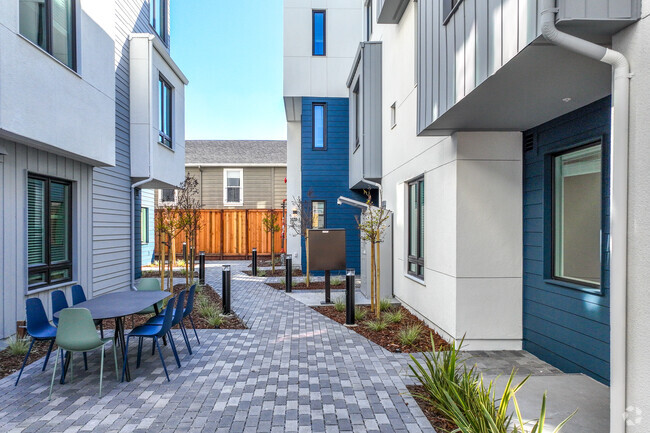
{"x":231,"y":52}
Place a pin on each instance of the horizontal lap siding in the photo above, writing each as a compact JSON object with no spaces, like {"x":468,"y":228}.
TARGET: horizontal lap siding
{"x":565,"y":327}
{"x":325,"y":173}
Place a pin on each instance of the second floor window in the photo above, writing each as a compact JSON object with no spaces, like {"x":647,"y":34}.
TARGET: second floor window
{"x":233,"y":194}
{"x":368,"y":20}
{"x":318,"y":214}
{"x":168,"y":196}
{"x":318,"y":24}
{"x":158,"y":17}
{"x":319,"y":127}
{"x":50,"y":24}
{"x":165,"y":112}
{"x":357,"y":116}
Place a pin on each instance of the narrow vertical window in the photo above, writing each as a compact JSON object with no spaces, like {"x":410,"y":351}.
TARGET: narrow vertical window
{"x":158,"y":17}
{"x":50,"y":24}
{"x":233,"y":195}
{"x":577,"y":216}
{"x":144,"y":225}
{"x":368,"y":20}
{"x":49,"y":231}
{"x":357,"y":116}
{"x":318,"y":33}
{"x":393,"y":115}
{"x":416,"y":228}
{"x":319,"y":127}
{"x":165,"y":112}
{"x":318,"y":214}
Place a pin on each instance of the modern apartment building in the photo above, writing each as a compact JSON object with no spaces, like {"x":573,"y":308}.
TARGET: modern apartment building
{"x":320,"y":41}
{"x":91,"y":114}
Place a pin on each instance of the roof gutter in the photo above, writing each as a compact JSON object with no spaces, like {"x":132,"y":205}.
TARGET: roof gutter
{"x":618,"y":201}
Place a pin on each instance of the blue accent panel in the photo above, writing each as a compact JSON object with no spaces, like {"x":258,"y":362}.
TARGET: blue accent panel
{"x":137,"y":243}
{"x":566,"y":327}
{"x":325,"y":174}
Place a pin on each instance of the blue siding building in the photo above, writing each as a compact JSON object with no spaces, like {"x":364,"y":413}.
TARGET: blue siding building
{"x":325,"y":172}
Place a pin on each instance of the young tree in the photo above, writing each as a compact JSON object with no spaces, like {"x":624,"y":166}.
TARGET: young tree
{"x":372,"y":227}
{"x":169,"y":225}
{"x":189,"y":206}
{"x":271,"y":226}
{"x":302,"y":224}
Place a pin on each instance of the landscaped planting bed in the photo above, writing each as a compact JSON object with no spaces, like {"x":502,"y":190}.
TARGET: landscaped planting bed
{"x":391,"y":336}
{"x":439,"y":422}
{"x":313,"y":285}
{"x":10,"y":363}
{"x":277,"y":273}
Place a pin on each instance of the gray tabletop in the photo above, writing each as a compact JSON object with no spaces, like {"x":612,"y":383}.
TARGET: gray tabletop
{"x":120,"y":304}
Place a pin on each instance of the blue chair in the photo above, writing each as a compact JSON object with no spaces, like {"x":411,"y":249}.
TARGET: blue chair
{"x":155,"y":332}
{"x":39,"y":328}
{"x":59,"y":302}
{"x":79,"y":296}
{"x":188,"y":313}
{"x":178,"y":320}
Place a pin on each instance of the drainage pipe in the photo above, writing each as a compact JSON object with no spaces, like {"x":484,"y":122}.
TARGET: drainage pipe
{"x":618,"y":200}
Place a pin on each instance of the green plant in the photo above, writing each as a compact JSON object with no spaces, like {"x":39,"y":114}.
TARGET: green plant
{"x":216,"y":319}
{"x":394,"y":316}
{"x":261,"y":273}
{"x":339,"y":304}
{"x":385,"y":305}
{"x":180,"y":263}
{"x":359,"y":314}
{"x":206,"y":309}
{"x":376,"y":325}
{"x":335,"y":281}
{"x":283,"y":281}
{"x":18,"y":346}
{"x":409,"y":334}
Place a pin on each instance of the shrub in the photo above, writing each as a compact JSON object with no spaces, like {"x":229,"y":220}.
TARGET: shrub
{"x":206,"y":309}
{"x":359,"y":314}
{"x":335,"y":281}
{"x":18,"y":346}
{"x":180,"y":263}
{"x":261,"y":273}
{"x":283,"y":281}
{"x":385,"y":305}
{"x":394,"y":316}
{"x":215,"y":319}
{"x":408,"y":335}
{"x":339,"y":304}
{"x":376,"y":325}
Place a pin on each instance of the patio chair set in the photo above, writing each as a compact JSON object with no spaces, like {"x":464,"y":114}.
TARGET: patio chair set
{"x":74,"y":329}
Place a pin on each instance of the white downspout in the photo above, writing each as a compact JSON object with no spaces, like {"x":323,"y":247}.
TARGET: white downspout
{"x":618,"y":201}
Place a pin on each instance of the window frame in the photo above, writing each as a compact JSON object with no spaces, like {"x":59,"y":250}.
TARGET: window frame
{"x":356,"y":92}
{"x":165,"y":18}
{"x":416,"y":260}
{"x":449,"y":8}
{"x":161,"y":198}
{"x":164,"y":137}
{"x":324,"y":214}
{"x":314,"y":12}
{"x":591,"y":287}
{"x":144,"y":225}
{"x":313,"y":125}
{"x":48,"y":267}
{"x":241,"y":187}
{"x":48,"y":36}
{"x":393,"y":115}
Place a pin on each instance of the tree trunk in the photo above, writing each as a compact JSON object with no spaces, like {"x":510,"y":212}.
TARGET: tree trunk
{"x":161,"y":263}
{"x":170,"y":263}
{"x":307,"y":257}
{"x":272,"y":252}
{"x":187,"y":274}
{"x":372,"y":277}
{"x":378,"y":279}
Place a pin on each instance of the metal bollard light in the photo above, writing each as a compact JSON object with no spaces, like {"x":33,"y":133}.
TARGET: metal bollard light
{"x":254,"y":266}
{"x":288,"y":268}
{"x":225,"y":289}
{"x":349,"y":297}
{"x":202,"y":267}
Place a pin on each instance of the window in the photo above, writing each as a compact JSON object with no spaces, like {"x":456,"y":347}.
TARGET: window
{"x":319,"y":129}
{"x":167,"y":196}
{"x":577,"y":216}
{"x":368,"y":19}
{"x":449,"y":7}
{"x":50,"y":24}
{"x":144,"y":225}
{"x":393,"y":115}
{"x":357,"y":116}
{"x":318,"y":33}
{"x":232,"y":180}
{"x":416,"y":228}
{"x":158,"y":17}
{"x":165,"y":112}
{"x":318,"y":214}
{"x":49,"y":231}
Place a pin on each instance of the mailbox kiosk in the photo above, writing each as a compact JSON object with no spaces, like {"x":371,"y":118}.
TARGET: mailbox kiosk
{"x":327,"y":253}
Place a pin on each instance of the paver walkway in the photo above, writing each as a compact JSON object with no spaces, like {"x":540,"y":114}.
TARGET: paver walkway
{"x":293,"y":370}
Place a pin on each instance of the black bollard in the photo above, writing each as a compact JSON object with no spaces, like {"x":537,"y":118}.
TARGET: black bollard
{"x":349,"y":297}
{"x":254,"y":262}
{"x":225,"y":289}
{"x":328,"y":287}
{"x":202,"y":267}
{"x":185,"y":252}
{"x":288,"y":268}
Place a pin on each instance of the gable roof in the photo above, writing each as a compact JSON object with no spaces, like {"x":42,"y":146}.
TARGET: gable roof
{"x":233,"y":152}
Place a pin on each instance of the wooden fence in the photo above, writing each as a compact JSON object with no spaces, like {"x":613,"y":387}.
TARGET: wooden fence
{"x":232,"y":234}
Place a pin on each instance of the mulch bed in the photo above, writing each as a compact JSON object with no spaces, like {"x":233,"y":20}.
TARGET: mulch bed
{"x":11,"y":363}
{"x":387,"y":338}
{"x":278,"y":273}
{"x":266,"y":263}
{"x":148,"y":273}
{"x":313,"y":285}
{"x":437,"y":419}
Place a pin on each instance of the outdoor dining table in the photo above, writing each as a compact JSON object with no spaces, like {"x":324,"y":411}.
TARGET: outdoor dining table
{"x":116,"y":306}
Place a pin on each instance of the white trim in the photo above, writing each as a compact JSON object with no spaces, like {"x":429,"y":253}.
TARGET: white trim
{"x":241,"y":187}
{"x":236,"y":165}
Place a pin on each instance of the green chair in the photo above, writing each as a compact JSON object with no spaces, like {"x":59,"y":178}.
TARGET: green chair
{"x":76,"y":333}
{"x":149,"y":285}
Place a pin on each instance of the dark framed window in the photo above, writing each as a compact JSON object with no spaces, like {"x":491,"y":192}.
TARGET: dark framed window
{"x":357,"y":116}
{"x":318,"y":32}
{"x":448,"y":9}
{"x":416,"y":227}
{"x":51,"y":24}
{"x":49,"y":231}
{"x":368,"y":19}
{"x":165,"y":112}
{"x":577,"y":204}
{"x":167,"y":196}
{"x":318,"y":214}
{"x":158,"y":17}
{"x":319,"y":126}
{"x":144,"y":225}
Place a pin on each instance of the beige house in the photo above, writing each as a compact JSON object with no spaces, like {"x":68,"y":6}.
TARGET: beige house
{"x":236,"y":174}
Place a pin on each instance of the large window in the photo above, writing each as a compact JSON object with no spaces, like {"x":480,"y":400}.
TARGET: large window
{"x":318,"y":33}
{"x":416,"y":227}
{"x":165,"y":112}
{"x":50,"y":24}
{"x":319,"y":127}
{"x":49,"y":231}
{"x":318,"y":214}
{"x":158,"y":17}
{"x":144,"y":225}
{"x":233,"y":184}
{"x":577,"y":216}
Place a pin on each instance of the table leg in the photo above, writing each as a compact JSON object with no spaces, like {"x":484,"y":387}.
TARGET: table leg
{"x":155,"y":308}
{"x":119,"y":332}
